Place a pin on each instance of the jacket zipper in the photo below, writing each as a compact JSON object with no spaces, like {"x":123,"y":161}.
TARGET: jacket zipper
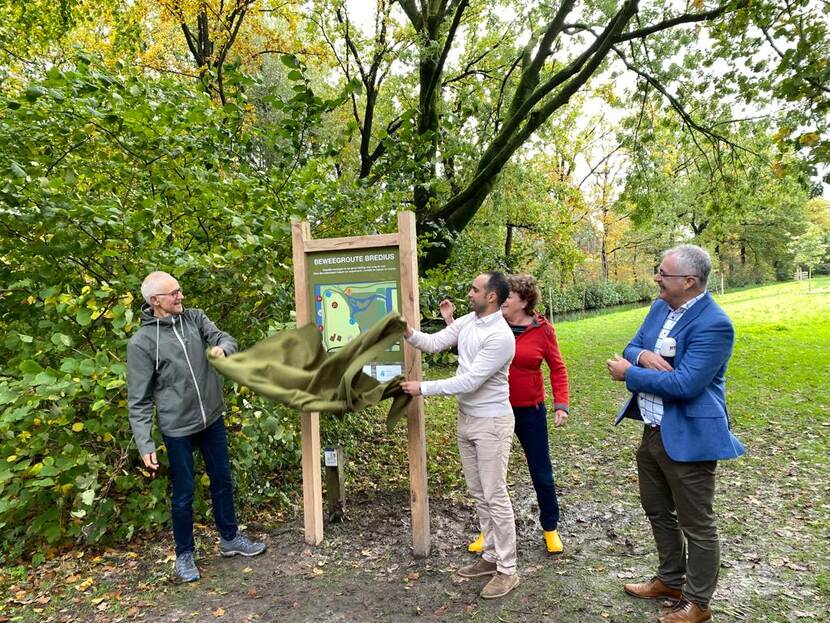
{"x":192,"y":374}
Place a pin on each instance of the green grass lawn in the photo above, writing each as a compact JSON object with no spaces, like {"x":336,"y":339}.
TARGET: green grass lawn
{"x":773,"y":503}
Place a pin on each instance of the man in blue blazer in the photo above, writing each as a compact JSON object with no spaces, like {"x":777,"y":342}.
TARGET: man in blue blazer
{"x":675,"y":368}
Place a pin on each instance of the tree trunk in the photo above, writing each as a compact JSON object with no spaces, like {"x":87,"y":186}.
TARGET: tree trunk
{"x":508,"y":242}
{"x":604,"y":258}
{"x":427,"y":148}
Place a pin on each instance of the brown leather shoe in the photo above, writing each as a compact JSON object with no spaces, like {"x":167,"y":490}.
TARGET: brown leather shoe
{"x":499,"y":586}
{"x":477,"y":569}
{"x":687,"y":612}
{"x":653,"y":589}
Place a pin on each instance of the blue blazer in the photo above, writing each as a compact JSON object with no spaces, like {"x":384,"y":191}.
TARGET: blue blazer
{"x":695,"y":425}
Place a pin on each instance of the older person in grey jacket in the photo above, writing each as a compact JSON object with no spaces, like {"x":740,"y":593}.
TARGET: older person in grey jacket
{"x":167,"y":368}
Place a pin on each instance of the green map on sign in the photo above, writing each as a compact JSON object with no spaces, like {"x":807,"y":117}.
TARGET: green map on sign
{"x":345,"y":310}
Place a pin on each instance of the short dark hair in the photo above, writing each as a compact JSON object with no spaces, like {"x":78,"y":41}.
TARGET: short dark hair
{"x":526,"y":289}
{"x":497,"y":282}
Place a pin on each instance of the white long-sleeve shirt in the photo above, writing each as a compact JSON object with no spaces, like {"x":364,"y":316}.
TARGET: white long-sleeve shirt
{"x":485,"y":349}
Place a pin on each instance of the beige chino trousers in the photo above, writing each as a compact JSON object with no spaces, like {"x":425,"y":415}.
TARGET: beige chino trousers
{"x":484,"y":444}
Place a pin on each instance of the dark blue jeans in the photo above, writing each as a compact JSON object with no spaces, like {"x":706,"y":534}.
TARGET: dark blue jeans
{"x":532,"y":431}
{"x":213,"y":444}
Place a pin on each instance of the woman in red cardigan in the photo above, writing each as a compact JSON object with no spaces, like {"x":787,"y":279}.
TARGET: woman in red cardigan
{"x":535,"y":342}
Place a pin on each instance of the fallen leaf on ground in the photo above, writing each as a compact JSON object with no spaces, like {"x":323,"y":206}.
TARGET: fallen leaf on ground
{"x":85,"y":584}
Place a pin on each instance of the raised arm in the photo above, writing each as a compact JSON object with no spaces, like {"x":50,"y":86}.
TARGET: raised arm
{"x":495,"y":353}
{"x":213,"y":336}
{"x":436,"y":342}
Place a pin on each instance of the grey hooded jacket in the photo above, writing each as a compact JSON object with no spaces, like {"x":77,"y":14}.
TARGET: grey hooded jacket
{"x":167,"y":366}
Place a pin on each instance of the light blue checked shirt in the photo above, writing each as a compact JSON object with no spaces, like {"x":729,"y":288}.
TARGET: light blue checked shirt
{"x":651,"y":405}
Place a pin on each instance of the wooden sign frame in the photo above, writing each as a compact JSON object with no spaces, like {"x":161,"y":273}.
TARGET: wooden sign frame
{"x":406,"y":243}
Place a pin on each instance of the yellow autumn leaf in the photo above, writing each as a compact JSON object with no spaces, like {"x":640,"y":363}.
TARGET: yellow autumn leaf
{"x":809,"y":139}
{"x":85,"y":584}
{"x":781,"y":134}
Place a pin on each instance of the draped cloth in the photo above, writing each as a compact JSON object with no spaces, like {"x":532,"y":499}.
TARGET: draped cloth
{"x":292,"y":367}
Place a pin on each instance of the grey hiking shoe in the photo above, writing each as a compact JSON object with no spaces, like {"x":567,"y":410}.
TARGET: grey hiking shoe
{"x":186,"y":567}
{"x":240,"y":544}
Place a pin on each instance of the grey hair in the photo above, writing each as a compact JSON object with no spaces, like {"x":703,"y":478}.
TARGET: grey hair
{"x":692,"y":259}
{"x":150,"y":283}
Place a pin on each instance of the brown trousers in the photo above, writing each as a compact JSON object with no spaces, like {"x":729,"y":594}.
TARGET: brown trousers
{"x":677,"y":498}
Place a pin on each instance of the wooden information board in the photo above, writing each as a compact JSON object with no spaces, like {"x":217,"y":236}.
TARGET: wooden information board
{"x":343,"y":285}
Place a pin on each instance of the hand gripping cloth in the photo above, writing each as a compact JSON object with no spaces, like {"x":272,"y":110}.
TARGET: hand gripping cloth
{"x":293,"y":368}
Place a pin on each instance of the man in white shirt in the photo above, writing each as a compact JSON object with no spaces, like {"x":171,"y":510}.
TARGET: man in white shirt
{"x":485,"y":421}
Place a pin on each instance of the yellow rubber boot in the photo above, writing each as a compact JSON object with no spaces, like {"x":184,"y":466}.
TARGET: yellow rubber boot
{"x":477,"y":546}
{"x":553,"y":542}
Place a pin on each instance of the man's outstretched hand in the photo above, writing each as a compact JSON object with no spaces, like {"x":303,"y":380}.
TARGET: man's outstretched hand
{"x":413,"y":388}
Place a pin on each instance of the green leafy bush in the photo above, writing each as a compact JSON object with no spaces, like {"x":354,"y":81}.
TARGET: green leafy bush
{"x":107,"y":177}
{"x":599,"y":294}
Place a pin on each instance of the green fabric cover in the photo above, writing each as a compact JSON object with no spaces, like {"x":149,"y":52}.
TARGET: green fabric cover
{"x":293,"y":367}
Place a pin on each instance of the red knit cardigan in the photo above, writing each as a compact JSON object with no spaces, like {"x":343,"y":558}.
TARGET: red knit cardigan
{"x":527,"y":387}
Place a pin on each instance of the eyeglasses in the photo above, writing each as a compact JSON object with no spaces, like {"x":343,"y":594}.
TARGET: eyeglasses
{"x":172,"y":293}
{"x":662,"y":275}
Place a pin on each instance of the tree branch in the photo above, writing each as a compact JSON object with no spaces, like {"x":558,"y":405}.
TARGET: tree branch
{"x":439,"y":67}
{"x":686,"y":18}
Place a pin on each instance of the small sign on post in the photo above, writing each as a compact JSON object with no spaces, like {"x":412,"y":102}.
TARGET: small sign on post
{"x":333,"y":459}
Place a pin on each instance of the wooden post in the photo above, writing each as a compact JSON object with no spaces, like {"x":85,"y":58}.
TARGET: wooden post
{"x":418,"y":497}
{"x":309,"y":422}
